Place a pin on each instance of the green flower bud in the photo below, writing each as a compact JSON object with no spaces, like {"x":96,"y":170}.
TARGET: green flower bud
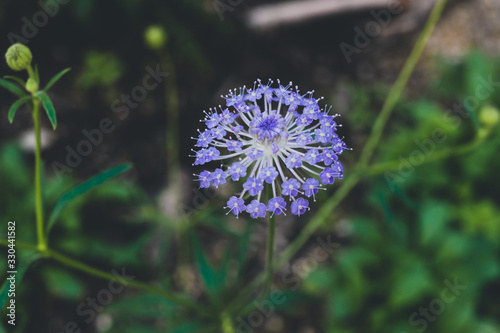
{"x":155,"y":37}
{"x":489,"y":116}
{"x":18,"y":57}
{"x":32,"y":85}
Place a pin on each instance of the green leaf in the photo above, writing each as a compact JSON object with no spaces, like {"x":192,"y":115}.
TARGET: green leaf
{"x":49,"y":107}
{"x":15,"y":106}
{"x":63,"y":284}
{"x":244,"y":242}
{"x":433,"y":219}
{"x":81,"y":189}
{"x":17,"y":79}
{"x":207,"y":272}
{"x":22,"y":266}
{"x":56,"y":78}
{"x":213,"y":278}
{"x":12,"y":88}
{"x":412,"y":281}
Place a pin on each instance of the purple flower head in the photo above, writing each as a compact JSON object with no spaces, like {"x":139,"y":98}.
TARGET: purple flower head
{"x":268,"y":174}
{"x":299,"y":206}
{"x":322,"y":135}
{"x":204,"y":139}
{"x":253,"y":186}
{"x":237,"y":170}
{"x":327,"y":176}
{"x":290,"y":187}
{"x":211,"y":154}
{"x":304,"y":120}
{"x":329,"y":156}
{"x":218,"y":177}
{"x":310,"y":187}
{"x":268,"y":126}
{"x":236,"y":205}
{"x":338,"y":145}
{"x":204,"y":178}
{"x":276,"y":206}
{"x":234,"y":145}
{"x":256,"y":209}
{"x":213,"y":120}
{"x":327,"y":123}
{"x":218,"y":132}
{"x":293,"y":161}
{"x":228,"y":117}
{"x":270,"y":134}
{"x":255,"y":153}
{"x":304,"y":138}
{"x":313,"y":156}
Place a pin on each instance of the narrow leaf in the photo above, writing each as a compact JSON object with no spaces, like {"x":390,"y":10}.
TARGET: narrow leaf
{"x":12,"y":88}
{"x":207,"y":272}
{"x":49,"y":107}
{"x":81,"y":189}
{"x":244,"y":245}
{"x":15,"y":106}
{"x":21,"y":268}
{"x":17,"y":79}
{"x":56,"y":78}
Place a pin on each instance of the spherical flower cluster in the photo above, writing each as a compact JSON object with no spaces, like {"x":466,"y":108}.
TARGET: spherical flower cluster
{"x":275,"y":137}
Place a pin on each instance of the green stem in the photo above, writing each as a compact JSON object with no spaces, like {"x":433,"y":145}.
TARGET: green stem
{"x":400,"y":84}
{"x":21,"y":245}
{"x":316,"y":221}
{"x":31,"y":73}
{"x":226,"y":323}
{"x":349,"y":183}
{"x":38,"y":177}
{"x":49,"y":253}
{"x":137,"y":284}
{"x":436,"y":156}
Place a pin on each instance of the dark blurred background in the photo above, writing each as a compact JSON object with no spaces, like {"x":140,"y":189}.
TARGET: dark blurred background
{"x":398,"y":243}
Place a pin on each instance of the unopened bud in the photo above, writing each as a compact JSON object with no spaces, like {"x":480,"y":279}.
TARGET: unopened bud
{"x":155,"y":37}
{"x":489,"y":116}
{"x":18,"y":57}
{"x":32,"y":85}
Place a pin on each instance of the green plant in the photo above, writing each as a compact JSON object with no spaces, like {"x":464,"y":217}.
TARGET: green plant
{"x":223,"y":298}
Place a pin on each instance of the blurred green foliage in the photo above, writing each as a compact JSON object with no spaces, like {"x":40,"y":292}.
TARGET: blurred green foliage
{"x":440,"y":222}
{"x":439,"y":225}
{"x":100,"y":70}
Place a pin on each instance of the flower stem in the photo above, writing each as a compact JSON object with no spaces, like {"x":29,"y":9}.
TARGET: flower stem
{"x":137,"y":284}
{"x":70,"y":262}
{"x":444,"y":153}
{"x":38,"y":177}
{"x":400,"y":84}
{"x":350,"y":182}
{"x":226,"y":323}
